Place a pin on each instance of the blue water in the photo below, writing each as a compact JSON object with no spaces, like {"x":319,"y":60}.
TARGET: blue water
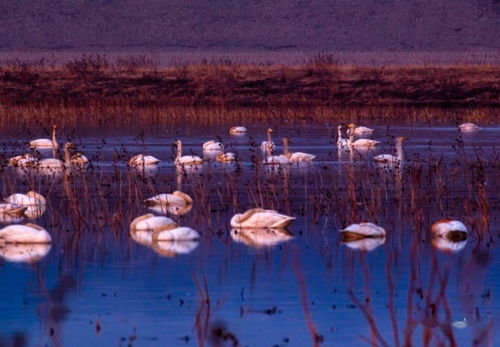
{"x":97,"y":286}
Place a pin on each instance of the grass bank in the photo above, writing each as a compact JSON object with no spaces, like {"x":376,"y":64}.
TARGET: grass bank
{"x":94,"y":80}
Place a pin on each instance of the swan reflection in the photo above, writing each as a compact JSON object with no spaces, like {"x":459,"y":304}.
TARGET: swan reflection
{"x":24,"y":253}
{"x":261,"y":237}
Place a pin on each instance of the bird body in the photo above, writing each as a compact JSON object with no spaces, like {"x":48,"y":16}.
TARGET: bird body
{"x":150,"y":222}
{"x":142,"y":160}
{"x":467,"y":127}
{"x":296,"y":157}
{"x":341,"y":142}
{"x":45,"y":143}
{"x":444,"y":226}
{"x":389,"y":159}
{"x":27,"y":233}
{"x":176,"y":234}
{"x":225,"y":157}
{"x":25,"y":160}
{"x":213,"y":146}
{"x":260,"y":218}
{"x":176,"y":198}
{"x":30,"y":199}
{"x":238,"y":130}
{"x":361,"y":143}
{"x":186,"y":159}
{"x":362,"y":230}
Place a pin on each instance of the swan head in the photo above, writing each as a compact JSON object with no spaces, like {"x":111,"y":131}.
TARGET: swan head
{"x":285,"y":140}
{"x":69,"y":145}
{"x":402,"y":138}
{"x":339,"y":127}
{"x":54,"y":127}
{"x":269,"y":130}
{"x":351,"y":125}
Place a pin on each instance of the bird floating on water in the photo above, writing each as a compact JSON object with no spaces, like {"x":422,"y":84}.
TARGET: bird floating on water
{"x":361,"y":143}
{"x":46,"y":143}
{"x":468,"y":127}
{"x":267,"y":147}
{"x":187,"y":159}
{"x":24,"y":233}
{"x":260,"y":218}
{"x":362,"y":230}
{"x":237,"y":130}
{"x":360,"y":130}
{"x":213,"y":146}
{"x":389,"y":159}
{"x":296,"y":157}
{"x":143,"y":160}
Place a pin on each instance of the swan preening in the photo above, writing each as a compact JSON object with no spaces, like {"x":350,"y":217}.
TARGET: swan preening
{"x":176,"y":203}
{"x":27,"y":233}
{"x":389,"y":159}
{"x":238,"y":130}
{"x":295,"y":157}
{"x":25,"y":160}
{"x":360,"y":130}
{"x":187,"y":159}
{"x":56,"y":164}
{"x":362,"y":230}
{"x":261,"y":237}
{"x":227,"y":157}
{"x":143,"y":160}
{"x":258,"y":218}
{"x":267,"y":147}
{"x":46,"y":143}
{"x":34,"y":204}
{"x":468,"y":127}
{"x":163,"y":235}
{"x":361,"y":143}
{"x":449,"y":235}
{"x":213,"y":146}
{"x":364,"y":236}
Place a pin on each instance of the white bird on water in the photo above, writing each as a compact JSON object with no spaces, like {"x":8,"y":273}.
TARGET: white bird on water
{"x":213,"y":146}
{"x":361,"y":143}
{"x":296,"y":157}
{"x":341,"y":142}
{"x":468,"y":127}
{"x":389,"y":159}
{"x":143,"y":160}
{"x":237,"y":130}
{"x":27,"y":233}
{"x":267,"y":147}
{"x":360,"y":130}
{"x":261,"y":218}
{"x":186,"y":159}
{"x":46,"y":143}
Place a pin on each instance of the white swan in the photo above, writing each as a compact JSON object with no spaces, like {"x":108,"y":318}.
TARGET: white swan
{"x":176,"y":234}
{"x":259,"y":218}
{"x":25,"y":160}
{"x":261,"y":237}
{"x":24,"y":253}
{"x":361,"y":143}
{"x":213,"y":146}
{"x":359,"y":131}
{"x":27,"y":233}
{"x":362,"y":230}
{"x":152,"y":223}
{"x":267,"y":147}
{"x":56,"y":164}
{"x":34,"y":203}
{"x":296,"y":157}
{"x":79,"y":159}
{"x":227,"y":157}
{"x":143,"y":160}
{"x":467,"y":127}
{"x":46,"y":143}
{"x":276,"y":160}
{"x":238,"y":130}
{"x":390,"y":160}
{"x":177,"y":198}
{"x":187,"y":159}
{"x":341,"y":142}
{"x":444,"y":226}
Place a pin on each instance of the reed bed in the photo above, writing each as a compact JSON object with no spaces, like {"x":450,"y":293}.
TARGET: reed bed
{"x":92,"y":79}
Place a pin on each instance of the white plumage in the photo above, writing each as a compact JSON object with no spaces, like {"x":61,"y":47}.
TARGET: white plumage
{"x":260,"y":218}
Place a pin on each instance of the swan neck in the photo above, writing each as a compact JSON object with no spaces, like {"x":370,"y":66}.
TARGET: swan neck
{"x":67,"y":158}
{"x":285,"y":149}
{"x":399,"y":151}
{"x":179,"y":149}
{"x":350,"y":134}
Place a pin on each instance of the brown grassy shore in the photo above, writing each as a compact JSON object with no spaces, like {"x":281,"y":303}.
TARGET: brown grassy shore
{"x":94,"y":80}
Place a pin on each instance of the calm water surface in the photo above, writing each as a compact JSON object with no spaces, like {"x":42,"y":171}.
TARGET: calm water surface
{"x":97,"y":286}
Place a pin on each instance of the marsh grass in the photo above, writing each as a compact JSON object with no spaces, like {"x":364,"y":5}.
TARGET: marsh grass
{"x":93,"y":79}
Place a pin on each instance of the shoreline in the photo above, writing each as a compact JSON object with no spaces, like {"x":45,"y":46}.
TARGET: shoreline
{"x":322,"y":82}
